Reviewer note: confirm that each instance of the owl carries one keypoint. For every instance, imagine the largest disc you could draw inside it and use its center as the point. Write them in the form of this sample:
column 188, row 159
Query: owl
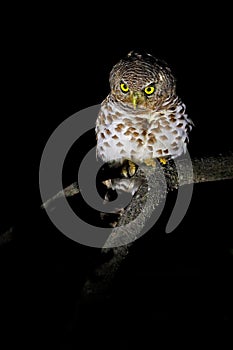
column 142, row 119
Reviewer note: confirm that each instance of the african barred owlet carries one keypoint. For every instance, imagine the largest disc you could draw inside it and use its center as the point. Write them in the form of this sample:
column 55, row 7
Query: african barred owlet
column 142, row 118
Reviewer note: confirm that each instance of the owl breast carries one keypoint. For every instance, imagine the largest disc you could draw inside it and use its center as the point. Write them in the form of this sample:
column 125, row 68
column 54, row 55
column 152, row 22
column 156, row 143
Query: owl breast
column 140, row 136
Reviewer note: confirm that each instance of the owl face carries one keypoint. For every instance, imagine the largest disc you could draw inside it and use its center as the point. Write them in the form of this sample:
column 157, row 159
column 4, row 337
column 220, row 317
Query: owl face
column 141, row 81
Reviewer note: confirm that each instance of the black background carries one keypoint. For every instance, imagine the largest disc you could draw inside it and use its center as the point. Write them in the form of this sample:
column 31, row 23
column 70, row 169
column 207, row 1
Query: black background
column 53, row 66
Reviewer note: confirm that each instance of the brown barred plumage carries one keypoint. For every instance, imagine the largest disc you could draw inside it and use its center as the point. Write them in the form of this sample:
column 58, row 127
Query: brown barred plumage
column 142, row 118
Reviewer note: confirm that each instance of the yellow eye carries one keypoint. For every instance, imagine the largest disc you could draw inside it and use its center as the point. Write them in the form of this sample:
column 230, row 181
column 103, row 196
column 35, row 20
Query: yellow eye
column 149, row 90
column 124, row 87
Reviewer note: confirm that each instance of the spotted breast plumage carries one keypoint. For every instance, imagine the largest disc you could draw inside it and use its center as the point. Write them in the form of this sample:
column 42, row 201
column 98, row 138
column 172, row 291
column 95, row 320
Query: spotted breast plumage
column 142, row 118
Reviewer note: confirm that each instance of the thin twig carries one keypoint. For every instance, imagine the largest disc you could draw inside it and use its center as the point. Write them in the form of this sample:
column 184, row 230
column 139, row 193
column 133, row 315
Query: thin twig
column 69, row 191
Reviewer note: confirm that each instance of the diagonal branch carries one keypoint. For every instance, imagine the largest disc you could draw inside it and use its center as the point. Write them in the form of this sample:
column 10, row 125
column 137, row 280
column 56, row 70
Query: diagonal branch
column 205, row 169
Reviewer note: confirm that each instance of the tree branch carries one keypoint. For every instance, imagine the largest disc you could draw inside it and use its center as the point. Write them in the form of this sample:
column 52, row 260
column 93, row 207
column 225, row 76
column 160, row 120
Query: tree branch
column 130, row 224
column 134, row 217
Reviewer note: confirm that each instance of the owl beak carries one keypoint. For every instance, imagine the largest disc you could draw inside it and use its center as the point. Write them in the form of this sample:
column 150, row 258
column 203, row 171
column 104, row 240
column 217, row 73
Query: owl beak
column 135, row 99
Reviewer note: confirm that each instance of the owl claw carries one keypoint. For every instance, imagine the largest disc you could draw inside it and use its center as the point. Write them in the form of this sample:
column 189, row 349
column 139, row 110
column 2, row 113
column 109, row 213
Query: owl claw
column 128, row 169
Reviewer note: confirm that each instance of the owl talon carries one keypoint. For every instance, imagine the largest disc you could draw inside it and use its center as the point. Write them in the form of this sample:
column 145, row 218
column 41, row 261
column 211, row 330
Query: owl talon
column 128, row 169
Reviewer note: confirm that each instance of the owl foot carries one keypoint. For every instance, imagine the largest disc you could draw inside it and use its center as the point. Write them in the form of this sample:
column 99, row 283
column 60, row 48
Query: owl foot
column 163, row 160
column 128, row 169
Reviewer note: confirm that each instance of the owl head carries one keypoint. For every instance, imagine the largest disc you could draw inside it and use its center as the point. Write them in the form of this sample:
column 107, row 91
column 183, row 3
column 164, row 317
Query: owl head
column 141, row 81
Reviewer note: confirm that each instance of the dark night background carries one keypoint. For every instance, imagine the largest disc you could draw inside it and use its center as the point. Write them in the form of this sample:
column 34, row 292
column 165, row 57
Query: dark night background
column 53, row 67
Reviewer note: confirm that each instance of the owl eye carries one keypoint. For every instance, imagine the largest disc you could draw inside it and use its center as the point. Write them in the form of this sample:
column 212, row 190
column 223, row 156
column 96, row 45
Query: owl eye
column 124, row 87
column 149, row 90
